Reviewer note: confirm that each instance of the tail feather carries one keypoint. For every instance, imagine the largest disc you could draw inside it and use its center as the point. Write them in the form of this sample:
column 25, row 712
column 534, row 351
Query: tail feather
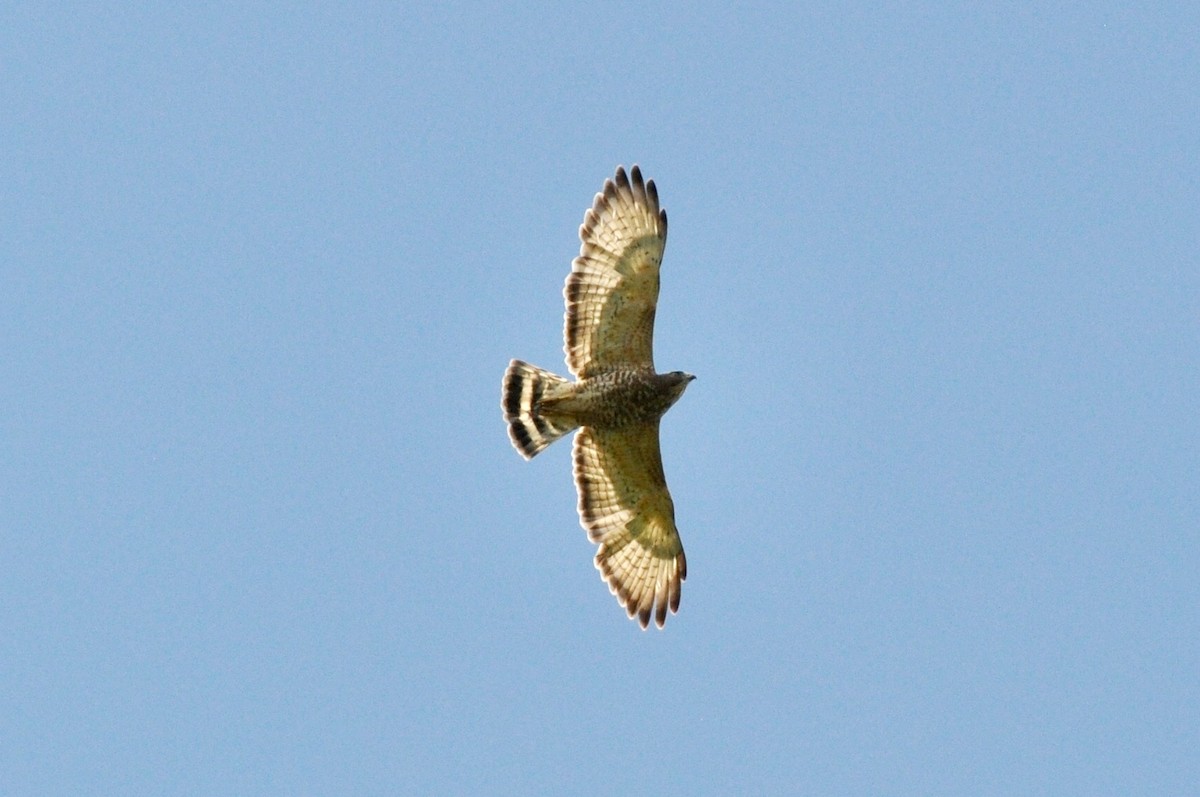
column 526, row 388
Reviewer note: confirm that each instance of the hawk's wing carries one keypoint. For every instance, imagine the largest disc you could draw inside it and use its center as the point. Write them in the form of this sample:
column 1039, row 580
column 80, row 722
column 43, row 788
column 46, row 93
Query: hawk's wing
column 613, row 286
column 625, row 507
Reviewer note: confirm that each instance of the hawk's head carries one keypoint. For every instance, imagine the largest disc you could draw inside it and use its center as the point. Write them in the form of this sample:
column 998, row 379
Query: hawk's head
column 677, row 382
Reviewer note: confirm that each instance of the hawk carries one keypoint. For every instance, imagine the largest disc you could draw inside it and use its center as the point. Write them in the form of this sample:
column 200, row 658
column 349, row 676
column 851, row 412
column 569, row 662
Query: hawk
column 616, row 401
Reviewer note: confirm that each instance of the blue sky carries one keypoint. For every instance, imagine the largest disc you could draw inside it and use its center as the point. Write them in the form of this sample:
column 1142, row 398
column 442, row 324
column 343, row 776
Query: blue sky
column 261, row 270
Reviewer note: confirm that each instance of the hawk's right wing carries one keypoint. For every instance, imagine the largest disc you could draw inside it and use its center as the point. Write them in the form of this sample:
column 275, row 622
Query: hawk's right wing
column 612, row 290
column 625, row 507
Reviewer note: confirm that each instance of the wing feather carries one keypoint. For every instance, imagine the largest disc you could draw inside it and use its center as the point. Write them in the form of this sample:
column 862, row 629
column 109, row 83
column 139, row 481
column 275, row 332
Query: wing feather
column 612, row 291
column 625, row 506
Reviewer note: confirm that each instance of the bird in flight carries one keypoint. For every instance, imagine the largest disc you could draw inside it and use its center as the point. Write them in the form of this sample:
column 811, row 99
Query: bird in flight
column 616, row 400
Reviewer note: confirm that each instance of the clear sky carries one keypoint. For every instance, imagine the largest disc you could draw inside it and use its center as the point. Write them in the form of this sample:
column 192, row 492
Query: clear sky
column 937, row 270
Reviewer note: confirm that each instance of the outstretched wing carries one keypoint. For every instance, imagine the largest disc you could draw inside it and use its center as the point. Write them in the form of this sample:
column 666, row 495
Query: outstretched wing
column 612, row 290
column 625, row 507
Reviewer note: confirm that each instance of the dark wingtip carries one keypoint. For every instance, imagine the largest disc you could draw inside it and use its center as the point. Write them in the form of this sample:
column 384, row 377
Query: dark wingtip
column 621, row 179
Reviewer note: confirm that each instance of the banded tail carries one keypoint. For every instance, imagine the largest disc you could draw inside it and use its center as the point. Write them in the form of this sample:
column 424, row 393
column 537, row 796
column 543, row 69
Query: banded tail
column 526, row 393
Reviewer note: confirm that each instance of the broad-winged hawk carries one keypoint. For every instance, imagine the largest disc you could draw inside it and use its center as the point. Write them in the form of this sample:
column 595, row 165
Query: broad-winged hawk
column 617, row 400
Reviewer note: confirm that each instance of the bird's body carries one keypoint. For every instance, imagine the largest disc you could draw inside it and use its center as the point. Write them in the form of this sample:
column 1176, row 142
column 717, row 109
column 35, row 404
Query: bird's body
column 611, row 400
column 617, row 402
column 620, row 399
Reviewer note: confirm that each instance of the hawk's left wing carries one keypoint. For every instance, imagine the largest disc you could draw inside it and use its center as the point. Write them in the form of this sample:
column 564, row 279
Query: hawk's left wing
column 612, row 290
column 625, row 507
